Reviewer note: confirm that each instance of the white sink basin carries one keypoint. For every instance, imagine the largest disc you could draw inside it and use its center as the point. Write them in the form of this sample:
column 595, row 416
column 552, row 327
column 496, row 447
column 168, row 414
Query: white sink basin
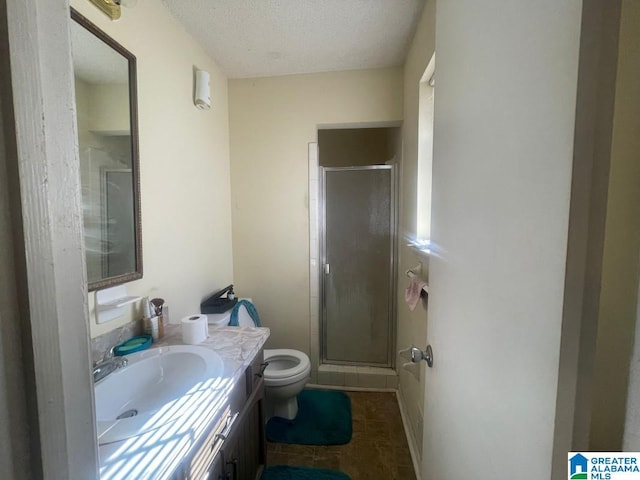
column 151, row 389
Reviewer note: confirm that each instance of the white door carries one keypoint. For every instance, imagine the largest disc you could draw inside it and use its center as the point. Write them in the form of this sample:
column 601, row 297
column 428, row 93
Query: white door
column 503, row 144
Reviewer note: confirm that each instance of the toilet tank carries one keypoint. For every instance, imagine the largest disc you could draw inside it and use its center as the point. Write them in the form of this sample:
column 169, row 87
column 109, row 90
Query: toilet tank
column 222, row 319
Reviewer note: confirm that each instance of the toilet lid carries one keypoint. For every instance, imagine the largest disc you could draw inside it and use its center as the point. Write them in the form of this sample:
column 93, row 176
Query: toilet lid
column 285, row 363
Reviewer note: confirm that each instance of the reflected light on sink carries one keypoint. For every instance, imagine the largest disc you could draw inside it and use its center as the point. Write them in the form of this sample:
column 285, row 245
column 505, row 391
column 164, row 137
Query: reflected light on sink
column 157, row 453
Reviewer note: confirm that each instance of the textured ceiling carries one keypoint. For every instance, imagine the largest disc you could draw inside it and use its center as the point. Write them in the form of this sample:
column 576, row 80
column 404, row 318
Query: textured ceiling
column 256, row 38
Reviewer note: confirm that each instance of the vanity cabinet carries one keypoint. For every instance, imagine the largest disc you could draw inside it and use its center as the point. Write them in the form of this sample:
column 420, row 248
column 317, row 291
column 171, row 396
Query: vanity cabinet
column 242, row 456
column 234, row 447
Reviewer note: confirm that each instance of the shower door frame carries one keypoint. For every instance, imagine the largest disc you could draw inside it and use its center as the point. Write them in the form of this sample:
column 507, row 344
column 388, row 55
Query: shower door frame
column 322, row 213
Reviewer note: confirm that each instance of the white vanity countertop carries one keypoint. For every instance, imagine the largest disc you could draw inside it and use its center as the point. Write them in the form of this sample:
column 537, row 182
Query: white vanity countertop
column 156, row 454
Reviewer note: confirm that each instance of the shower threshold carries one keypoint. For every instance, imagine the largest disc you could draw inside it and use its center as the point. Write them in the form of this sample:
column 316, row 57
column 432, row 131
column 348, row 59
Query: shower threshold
column 356, row 376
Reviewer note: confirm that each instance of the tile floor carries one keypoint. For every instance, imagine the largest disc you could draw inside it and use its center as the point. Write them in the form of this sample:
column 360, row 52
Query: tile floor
column 378, row 447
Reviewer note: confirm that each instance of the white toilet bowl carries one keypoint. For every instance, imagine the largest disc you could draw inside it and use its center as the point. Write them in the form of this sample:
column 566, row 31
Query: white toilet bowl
column 285, row 376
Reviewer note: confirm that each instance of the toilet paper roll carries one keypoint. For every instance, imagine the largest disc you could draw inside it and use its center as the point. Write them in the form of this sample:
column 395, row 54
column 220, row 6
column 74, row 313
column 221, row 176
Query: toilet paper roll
column 194, row 329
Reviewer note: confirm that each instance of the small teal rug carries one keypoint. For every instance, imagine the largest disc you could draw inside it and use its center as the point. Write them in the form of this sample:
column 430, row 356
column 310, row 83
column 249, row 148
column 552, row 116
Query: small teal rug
column 285, row 472
column 324, row 418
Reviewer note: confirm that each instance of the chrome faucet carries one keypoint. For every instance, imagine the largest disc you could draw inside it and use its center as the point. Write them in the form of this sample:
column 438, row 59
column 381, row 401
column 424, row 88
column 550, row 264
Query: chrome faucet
column 109, row 364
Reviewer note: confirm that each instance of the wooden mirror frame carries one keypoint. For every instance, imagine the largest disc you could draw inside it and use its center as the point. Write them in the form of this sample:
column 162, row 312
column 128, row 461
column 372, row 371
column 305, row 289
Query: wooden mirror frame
column 135, row 153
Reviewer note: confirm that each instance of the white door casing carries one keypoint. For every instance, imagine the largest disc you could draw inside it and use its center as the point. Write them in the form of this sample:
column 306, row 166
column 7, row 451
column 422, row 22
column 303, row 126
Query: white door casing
column 48, row 166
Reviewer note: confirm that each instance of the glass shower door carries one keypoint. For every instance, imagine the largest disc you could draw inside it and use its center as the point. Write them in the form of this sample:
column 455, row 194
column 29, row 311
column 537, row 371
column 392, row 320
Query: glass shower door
column 357, row 279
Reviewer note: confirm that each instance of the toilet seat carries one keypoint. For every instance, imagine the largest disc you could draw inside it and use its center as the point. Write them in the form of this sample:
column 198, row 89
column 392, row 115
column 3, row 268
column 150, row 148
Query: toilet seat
column 286, row 366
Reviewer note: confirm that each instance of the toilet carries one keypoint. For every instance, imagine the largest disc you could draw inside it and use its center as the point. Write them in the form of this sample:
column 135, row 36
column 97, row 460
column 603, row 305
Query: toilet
column 284, row 378
column 286, row 375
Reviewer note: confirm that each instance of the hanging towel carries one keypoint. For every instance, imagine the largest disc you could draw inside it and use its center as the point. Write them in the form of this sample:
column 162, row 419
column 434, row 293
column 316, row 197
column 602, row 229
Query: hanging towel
column 251, row 310
column 414, row 292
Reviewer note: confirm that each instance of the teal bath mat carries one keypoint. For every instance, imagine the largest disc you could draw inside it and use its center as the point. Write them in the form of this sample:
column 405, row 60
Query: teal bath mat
column 284, row 472
column 324, row 418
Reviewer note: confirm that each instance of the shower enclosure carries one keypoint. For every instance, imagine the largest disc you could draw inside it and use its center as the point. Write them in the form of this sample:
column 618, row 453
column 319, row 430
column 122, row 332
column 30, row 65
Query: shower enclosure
column 357, row 276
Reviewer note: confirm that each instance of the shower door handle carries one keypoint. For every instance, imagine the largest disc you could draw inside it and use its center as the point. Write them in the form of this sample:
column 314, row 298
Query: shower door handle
column 327, row 269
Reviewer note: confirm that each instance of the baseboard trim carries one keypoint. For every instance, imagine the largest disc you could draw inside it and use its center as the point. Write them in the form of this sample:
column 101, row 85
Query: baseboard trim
column 344, row 388
column 410, row 438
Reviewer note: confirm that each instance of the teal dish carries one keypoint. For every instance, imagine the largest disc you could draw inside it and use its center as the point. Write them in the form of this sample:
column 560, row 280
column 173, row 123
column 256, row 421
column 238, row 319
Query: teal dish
column 134, row 344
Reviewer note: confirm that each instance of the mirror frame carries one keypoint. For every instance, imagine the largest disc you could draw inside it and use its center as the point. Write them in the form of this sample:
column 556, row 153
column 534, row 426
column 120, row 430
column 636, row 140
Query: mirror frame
column 135, row 153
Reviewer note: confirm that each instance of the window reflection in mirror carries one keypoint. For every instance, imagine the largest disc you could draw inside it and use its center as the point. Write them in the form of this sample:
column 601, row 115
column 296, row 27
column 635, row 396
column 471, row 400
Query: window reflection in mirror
column 107, row 140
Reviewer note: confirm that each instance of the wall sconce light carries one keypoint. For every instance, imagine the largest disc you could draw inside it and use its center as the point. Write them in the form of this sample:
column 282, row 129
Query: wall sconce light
column 112, row 7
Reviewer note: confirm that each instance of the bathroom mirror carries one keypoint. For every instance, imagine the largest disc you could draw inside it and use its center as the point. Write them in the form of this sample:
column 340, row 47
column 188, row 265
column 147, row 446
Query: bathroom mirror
column 106, row 106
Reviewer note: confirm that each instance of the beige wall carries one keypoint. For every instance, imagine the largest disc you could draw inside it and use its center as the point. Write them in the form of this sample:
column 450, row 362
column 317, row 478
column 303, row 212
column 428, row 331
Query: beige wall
column 631, row 438
column 272, row 120
column 109, row 108
column 412, row 326
column 184, row 169
column 83, row 115
column 618, row 299
column 585, row 245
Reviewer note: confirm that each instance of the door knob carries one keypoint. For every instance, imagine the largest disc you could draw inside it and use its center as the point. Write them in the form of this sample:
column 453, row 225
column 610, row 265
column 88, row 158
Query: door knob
column 326, row 269
column 417, row 355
